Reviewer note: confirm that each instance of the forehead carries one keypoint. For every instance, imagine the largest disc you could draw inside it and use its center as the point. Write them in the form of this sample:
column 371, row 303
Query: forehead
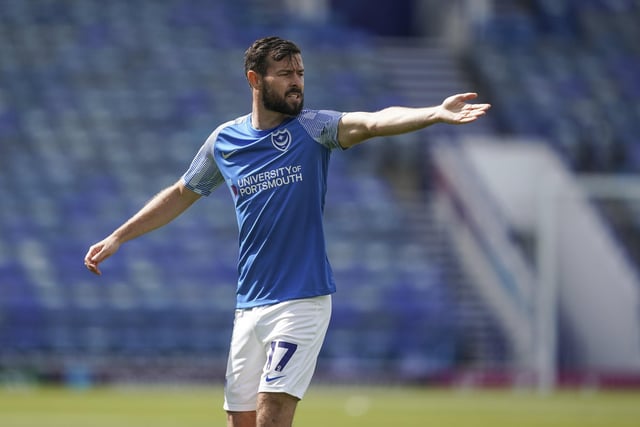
column 292, row 62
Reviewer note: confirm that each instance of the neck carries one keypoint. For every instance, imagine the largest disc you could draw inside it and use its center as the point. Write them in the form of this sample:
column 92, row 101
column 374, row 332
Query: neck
column 263, row 119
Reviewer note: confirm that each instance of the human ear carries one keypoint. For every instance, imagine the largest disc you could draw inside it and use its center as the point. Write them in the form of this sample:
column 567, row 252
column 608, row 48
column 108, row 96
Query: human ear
column 254, row 79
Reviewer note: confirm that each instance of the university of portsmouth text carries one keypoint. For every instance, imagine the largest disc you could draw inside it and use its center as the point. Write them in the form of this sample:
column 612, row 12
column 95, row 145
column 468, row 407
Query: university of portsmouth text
column 270, row 179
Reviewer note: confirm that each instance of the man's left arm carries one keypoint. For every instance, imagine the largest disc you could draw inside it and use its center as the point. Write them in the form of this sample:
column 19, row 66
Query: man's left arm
column 357, row 127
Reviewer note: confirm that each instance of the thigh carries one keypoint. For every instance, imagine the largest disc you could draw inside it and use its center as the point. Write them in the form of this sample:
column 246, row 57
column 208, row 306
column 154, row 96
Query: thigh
column 244, row 365
column 293, row 333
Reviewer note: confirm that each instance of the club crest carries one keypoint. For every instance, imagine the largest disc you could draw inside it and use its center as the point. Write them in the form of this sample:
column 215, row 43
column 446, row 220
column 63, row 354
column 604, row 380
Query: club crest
column 281, row 139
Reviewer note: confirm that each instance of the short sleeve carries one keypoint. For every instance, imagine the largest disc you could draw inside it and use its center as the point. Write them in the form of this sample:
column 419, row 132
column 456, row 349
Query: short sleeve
column 203, row 175
column 322, row 126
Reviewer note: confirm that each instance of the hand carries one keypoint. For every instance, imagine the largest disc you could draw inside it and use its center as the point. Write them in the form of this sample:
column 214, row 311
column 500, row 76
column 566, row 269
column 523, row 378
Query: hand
column 99, row 252
column 455, row 110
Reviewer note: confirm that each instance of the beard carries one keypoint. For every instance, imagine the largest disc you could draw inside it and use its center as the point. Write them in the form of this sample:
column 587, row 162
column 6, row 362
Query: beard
column 280, row 104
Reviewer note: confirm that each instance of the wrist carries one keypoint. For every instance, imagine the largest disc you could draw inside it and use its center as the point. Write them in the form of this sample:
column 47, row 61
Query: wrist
column 435, row 114
column 117, row 237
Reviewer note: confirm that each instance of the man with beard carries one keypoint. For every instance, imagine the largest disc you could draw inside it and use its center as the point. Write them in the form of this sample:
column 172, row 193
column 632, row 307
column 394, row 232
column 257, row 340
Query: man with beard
column 274, row 162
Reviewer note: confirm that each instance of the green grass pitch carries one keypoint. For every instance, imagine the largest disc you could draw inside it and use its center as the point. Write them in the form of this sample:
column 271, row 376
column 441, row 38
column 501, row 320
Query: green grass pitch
column 323, row 406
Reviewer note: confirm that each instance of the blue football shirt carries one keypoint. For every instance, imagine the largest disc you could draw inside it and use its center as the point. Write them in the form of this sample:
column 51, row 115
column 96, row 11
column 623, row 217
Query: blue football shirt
column 278, row 181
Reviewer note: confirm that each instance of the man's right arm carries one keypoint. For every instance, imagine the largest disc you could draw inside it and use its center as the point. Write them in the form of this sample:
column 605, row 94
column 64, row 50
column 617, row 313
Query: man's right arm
column 356, row 127
column 160, row 210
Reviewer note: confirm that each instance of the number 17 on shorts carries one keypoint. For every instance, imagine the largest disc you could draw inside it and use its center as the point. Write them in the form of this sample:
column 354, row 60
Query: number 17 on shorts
column 280, row 354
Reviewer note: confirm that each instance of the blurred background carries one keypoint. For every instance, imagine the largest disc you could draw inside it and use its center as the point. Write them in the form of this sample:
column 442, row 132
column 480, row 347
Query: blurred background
column 504, row 252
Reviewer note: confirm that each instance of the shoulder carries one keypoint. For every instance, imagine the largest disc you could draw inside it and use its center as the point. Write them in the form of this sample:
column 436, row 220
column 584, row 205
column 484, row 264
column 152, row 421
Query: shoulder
column 317, row 122
column 229, row 125
column 323, row 116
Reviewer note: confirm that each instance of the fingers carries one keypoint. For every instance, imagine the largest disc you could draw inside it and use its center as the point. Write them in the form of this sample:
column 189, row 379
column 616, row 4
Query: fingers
column 468, row 96
column 93, row 268
column 477, row 108
column 459, row 101
column 472, row 112
column 93, row 258
column 483, row 107
column 99, row 252
column 460, row 98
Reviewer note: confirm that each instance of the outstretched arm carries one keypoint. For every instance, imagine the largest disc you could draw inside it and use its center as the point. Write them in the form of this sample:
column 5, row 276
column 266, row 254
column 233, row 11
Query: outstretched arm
column 160, row 210
column 357, row 127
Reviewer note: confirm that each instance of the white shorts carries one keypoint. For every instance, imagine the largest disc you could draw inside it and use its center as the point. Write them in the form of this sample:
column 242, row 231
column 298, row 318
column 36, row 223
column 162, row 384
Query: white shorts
column 274, row 349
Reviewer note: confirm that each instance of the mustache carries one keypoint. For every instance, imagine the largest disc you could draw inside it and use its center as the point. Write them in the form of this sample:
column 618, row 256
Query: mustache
column 294, row 90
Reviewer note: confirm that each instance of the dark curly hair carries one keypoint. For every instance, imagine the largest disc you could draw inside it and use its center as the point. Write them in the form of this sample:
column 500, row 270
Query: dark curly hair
column 276, row 48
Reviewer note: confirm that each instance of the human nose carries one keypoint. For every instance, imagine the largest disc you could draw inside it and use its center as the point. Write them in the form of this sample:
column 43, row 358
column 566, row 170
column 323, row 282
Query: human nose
column 297, row 81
